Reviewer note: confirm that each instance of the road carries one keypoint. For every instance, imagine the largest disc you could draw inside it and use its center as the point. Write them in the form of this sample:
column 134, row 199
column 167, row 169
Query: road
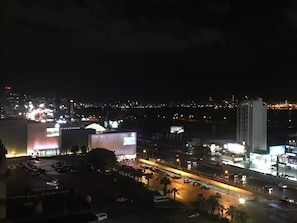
column 256, row 180
column 255, row 204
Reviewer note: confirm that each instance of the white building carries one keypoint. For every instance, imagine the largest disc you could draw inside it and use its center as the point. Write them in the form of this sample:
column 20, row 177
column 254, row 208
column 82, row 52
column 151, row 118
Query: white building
column 252, row 125
column 122, row 143
column 30, row 138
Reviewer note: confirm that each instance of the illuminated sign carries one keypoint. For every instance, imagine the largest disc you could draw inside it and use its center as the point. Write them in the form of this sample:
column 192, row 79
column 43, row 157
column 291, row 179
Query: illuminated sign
column 129, row 140
column 235, row 148
column 52, row 132
column 276, row 150
column 176, row 129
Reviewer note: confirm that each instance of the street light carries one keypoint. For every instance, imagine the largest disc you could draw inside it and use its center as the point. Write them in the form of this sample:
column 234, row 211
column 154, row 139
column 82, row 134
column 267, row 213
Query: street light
column 145, row 152
column 178, row 160
column 241, row 200
column 154, row 150
column 227, row 176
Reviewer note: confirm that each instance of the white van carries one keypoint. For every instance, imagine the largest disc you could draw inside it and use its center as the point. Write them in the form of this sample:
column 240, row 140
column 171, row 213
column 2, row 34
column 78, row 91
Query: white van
column 160, row 198
column 101, row 216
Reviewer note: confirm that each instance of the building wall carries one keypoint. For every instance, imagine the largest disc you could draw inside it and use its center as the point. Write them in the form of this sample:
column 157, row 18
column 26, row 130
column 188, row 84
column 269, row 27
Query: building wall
column 23, row 138
column 252, row 125
column 72, row 137
column 40, row 141
column 123, row 144
column 243, row 125
column 13, row 133
column 259, row 125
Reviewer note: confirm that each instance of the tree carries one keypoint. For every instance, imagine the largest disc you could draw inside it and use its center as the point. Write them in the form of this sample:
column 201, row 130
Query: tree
column 138, row 174
column 102, row 158
column 148, row 176
column 124, row 169
column 130, row 171
column 221, row 210
column 231, row 211
column 165, row 181
column 218, row 197
column 241, row 216
column 174, row 191
column 213, row 203
column 201, row 200
column 84, row 149
column 74, row 149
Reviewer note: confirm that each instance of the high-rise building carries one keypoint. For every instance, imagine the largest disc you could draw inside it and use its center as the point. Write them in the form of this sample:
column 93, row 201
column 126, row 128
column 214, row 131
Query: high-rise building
column 57, row 103
column 12, row 104
column 252, row 125
column 71, row 110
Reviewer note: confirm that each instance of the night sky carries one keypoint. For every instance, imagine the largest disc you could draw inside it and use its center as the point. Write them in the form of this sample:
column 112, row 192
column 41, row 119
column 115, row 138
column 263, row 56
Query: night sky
column 150, row 50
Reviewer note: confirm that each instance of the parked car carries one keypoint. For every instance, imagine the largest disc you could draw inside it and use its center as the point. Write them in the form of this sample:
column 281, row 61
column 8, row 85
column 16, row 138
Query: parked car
column 35, row 172
column 286, row 200
column 101, row 216
column 282, row 185
column 268, row 189
column 204, row 187
column 193, row 215
column 196, row 183
column 176, row 177
column 73, row 170
column 122, row 199
column 187, row 180
column 53, row 183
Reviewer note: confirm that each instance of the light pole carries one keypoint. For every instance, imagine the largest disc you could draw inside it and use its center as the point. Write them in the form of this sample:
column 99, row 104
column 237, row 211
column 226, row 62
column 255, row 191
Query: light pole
column 178, row 160
column 154, row 150
column 145, row 153
column 227, row 176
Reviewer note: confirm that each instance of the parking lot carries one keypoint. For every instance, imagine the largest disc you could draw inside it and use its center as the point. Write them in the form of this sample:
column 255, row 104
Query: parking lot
column 104, row 192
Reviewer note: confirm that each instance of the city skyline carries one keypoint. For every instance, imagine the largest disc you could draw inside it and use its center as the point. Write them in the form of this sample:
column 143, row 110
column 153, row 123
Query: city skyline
column 10, row 96
column 150, row 51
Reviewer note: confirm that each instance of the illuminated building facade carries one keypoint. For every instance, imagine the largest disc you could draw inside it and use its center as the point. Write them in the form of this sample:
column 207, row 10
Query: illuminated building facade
column 122, row 143
column 252, row 125
column 29, row 138
column 43, row 139
column 13, row 133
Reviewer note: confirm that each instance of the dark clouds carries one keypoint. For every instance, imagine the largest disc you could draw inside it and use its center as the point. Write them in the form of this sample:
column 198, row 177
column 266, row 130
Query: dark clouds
column 149, row 49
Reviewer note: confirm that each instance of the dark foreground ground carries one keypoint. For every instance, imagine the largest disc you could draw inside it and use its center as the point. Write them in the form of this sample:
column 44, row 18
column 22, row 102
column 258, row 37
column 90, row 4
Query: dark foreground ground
column 30, row 199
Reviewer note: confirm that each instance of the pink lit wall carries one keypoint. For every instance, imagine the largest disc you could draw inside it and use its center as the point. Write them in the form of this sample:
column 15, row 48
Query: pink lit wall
column 37, row 138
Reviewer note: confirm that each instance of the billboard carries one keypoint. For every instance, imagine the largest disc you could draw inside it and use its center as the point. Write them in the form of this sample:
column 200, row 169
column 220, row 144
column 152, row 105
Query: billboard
column 130, row 140
column 235, row 148
column 277, row 150
column 52, row 132
column 176, row 129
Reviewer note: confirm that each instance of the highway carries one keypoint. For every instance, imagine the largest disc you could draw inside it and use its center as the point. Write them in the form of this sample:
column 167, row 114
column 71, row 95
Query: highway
column 256, row 205
column 215, row 185
column 256, row 181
